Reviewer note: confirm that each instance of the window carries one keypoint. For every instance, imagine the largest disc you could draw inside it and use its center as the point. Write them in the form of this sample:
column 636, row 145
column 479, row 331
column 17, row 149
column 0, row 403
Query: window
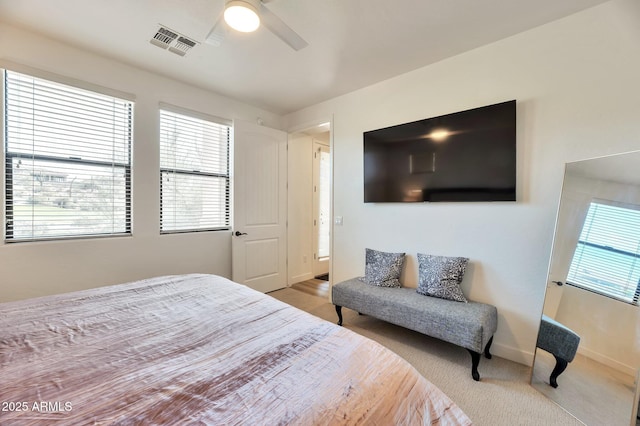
column 607, row 255
column 194, row 173
column 68, row 161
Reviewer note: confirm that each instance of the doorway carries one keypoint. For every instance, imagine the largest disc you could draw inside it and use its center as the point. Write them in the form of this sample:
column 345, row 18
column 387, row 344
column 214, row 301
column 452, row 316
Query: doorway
column 309, row 204
column 321, row 209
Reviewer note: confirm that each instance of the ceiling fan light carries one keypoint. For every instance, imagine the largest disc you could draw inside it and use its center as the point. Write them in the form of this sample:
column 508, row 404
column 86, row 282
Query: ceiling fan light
column 242, row 15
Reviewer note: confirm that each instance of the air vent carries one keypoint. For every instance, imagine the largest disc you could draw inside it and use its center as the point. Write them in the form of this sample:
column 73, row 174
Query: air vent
column 172, row 41
column 182, row 45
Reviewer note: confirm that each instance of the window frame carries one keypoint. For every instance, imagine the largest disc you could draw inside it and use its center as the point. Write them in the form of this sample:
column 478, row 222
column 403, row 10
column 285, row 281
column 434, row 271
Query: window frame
column 10, row 156
column 189, row 114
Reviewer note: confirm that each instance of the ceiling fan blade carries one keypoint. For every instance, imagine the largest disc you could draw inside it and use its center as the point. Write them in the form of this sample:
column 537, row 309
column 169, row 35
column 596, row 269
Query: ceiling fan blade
column 218, row 32
column 280, row 29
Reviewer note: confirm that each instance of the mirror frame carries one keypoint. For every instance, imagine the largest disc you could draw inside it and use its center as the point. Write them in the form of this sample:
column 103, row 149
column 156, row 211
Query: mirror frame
column 634, row 420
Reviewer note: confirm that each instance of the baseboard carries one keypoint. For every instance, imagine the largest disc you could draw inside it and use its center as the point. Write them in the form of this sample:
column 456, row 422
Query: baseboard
column 512, row 354
column 609, row 362
column 299, row 278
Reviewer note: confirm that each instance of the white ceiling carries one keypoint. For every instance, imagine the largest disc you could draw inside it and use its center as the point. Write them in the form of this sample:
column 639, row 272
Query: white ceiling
column 352, row 43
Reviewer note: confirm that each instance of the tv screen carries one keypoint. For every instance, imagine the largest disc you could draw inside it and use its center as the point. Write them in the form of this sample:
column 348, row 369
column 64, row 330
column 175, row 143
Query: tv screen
column 464, row 156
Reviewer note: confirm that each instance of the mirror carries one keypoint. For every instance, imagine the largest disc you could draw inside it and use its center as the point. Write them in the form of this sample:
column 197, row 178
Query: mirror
column 590, row 323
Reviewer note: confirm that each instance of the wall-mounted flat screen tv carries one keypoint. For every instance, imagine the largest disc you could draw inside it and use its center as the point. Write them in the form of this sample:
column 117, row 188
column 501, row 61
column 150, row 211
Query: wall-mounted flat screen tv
column 464, row 156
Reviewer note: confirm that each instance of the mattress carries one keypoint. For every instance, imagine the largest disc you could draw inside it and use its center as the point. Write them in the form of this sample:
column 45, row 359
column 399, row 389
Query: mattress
column 199, row 349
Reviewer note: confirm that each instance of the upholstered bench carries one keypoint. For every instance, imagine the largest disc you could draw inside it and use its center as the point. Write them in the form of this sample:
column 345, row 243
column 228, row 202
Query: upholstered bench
column 561, row 342
column 470, row 325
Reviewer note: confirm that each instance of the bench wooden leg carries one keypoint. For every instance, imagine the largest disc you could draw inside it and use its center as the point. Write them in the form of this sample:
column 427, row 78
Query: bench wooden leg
column 339, row 312
column 561, row 365
column 475, row 360
column 487, row 354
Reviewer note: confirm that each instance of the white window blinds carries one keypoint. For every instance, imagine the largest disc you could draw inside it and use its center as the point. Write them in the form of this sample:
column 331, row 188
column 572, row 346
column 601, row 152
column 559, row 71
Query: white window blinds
column 68, row 160
column 606, row 259
column 194, row 173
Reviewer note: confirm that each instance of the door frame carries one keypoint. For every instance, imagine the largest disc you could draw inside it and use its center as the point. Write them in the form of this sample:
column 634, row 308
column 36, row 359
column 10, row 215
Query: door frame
column 301, row 129
column 319, row 265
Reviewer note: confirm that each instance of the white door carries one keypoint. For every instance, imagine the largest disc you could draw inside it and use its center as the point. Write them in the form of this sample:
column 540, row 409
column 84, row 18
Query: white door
column 321, row 208
column 259, row 207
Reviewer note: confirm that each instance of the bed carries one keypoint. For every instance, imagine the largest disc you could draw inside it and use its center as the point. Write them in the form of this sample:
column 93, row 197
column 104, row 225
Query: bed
column 199, row 349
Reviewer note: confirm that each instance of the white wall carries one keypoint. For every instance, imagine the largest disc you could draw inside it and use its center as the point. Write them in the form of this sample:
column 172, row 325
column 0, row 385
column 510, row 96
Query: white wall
column 41, row 268
column 578, row 95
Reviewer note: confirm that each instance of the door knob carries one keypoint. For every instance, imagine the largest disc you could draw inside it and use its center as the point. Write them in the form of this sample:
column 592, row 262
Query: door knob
column 238, row 233
column 559, row 283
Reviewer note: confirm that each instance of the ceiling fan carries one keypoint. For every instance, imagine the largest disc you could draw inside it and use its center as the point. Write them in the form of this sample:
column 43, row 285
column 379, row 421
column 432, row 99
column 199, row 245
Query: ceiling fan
column 247, row 16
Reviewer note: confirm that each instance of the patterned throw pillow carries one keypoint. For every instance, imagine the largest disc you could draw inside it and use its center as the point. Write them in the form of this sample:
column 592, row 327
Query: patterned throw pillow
column 440, row 276
column 383, row 269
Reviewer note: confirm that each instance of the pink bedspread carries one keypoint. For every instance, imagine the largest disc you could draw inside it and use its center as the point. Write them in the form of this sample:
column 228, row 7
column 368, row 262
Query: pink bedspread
column 199, row 349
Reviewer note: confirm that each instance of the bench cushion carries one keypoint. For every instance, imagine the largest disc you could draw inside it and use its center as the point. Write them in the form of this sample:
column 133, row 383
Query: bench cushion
column 469, row 325
column 557, row 339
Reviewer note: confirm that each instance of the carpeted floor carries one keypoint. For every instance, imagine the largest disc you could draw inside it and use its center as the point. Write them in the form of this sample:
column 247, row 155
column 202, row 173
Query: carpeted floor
column 588, row 389
column 502, row 397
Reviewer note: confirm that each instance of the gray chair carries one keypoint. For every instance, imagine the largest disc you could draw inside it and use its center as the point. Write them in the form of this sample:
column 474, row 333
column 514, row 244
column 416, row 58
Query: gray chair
column 561, row 342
